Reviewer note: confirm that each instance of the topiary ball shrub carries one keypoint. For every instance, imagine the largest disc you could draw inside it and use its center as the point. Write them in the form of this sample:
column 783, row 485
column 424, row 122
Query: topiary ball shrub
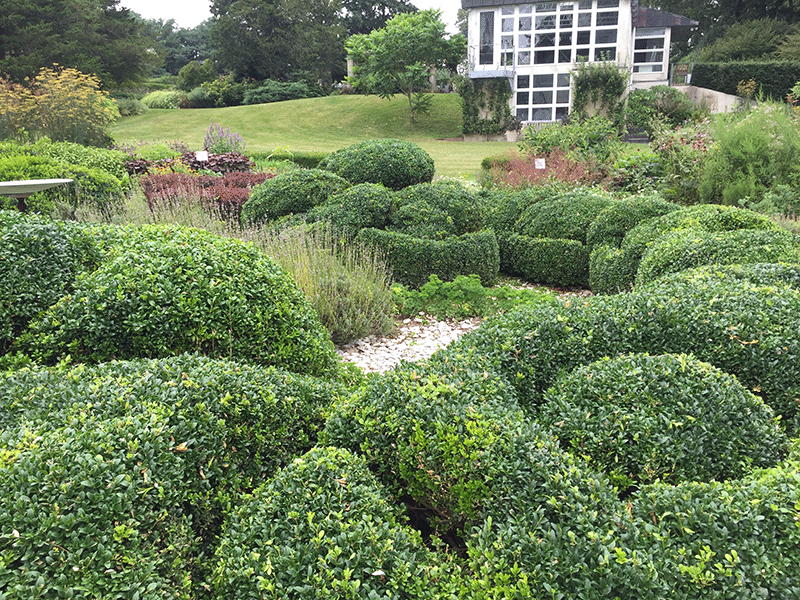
column 614, row 221
column 688, row 248
column 567, row 216
column 436, row 211
column 393, row 163
column 325, row 527
column 39, row 262
column 670, row 418
column 168, row 290
column 294, row 192
column 356, row 208
column 544, row 260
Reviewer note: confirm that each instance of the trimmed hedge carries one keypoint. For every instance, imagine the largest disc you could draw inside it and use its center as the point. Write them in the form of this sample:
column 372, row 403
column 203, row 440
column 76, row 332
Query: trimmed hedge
column 775, row 78
column 323, row 528
column 567, row 216
column 356, row 208
column 393, row 163
column 505, row 205
column 168, row 290
column 39, row 262
column 436, row 211
column 688, row 248
column 670, row 418
column 290, row 193
column 116, row 477
column 306, row 160
column 413, row 260
column 110, row 161
column 611, row 270
column 544, row 260
column 614, row 221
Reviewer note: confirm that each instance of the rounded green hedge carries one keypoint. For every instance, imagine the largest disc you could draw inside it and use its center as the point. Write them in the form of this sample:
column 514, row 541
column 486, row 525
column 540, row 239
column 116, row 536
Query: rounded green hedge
column 688, row 248
column 356, row 208
column 544, row 260
column 614, row 221
column 672, row 418
column 567, row 216
column 436, row 211
column 393, row 163
column 323, row 528
column 295, row 192
column 39, row 262
column 168, row 290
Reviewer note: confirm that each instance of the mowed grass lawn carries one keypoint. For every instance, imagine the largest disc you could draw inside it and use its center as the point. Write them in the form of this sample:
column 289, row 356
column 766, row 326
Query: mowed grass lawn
column 323, row 125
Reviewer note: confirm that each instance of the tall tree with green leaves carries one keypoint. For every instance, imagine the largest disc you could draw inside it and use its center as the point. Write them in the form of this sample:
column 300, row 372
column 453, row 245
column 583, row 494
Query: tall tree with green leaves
column 364, row 16
column 93, row 36
column 401, row 57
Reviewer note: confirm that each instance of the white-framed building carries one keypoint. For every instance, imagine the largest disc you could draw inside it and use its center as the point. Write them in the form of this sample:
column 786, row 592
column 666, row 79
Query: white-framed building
column 536, row 44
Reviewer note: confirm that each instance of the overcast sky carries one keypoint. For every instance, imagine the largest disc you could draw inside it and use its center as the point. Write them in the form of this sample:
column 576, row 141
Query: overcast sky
column 190, row 13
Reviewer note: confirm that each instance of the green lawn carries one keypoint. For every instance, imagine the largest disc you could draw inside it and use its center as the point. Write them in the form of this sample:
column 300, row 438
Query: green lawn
column 323, row 124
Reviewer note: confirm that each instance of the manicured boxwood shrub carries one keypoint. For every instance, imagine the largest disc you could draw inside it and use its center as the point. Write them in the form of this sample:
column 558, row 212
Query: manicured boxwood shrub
column 614, row 221
column 168, row 290
column 688, row 248
column 39, row 262
column 544, row 260
column 131, row 451
column 567, row 216
column 165, row 99
column 412, row 260
column 110, row 161
column 307, row 160
column 611, row 270
column 356, row 208
column 323, row 527
column 291, row 193
column 737, row 539
column 436, row 211
column 743, row 328
column 671, row 418
column 503, row 206
column 394, row 163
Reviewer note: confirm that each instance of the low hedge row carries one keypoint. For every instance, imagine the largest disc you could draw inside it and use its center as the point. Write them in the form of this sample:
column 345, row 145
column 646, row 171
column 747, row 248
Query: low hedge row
column 544, row 260
column 413, row 260
column 566, row 216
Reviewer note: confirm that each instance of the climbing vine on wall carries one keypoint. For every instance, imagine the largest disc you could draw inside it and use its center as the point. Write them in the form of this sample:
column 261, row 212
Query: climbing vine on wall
column 602, row 84
column 482, row 96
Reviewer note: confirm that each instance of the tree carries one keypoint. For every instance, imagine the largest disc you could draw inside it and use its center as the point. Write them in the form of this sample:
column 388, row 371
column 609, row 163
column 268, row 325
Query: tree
column 365, row 16
column 176, row 46
column 93, row 36
column 401, row 57
column 746, row 40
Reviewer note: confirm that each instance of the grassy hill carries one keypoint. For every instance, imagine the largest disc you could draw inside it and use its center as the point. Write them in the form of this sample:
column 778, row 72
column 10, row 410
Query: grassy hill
column 323, row 124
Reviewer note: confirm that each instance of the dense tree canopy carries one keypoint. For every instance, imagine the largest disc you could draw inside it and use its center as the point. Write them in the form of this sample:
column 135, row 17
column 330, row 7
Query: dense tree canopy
column 93, row 36
column 178, row 47
column 363, row 16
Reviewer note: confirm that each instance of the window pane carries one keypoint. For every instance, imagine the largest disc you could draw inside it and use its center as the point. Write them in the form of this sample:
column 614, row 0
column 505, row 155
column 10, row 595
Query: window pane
column 649, row 44
column 544, row 57
column 524, row 40
column 522, row 114
column 544, row 40
column 562, row 97
column 581, row 53
column 566, row 7
column 583, row 38
column 561, row 112
column 546, row 7
column 524, row 23
column 486, row 51
column 523, row 58
column 565, row 39
column 565, row 56
column 605, row 53
column 507, row 25
column 585, row 4
column 562, row 80
column 525, row 9
column 523, row 81
column 542, row 97
column 607, row 3
column 584, row 19
column 543, row 81
column 545, row 22
column 507, row 59
column 507, row 10
column 565, row 21
column 506, row 41
column 653, row 68
column 605, row 19
column 543, row 114
column 605, row 36
column 648, row 57
column 523, row 98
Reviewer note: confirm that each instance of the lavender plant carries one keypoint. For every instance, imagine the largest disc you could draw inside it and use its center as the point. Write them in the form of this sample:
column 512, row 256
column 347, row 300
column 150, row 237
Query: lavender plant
column 222, row 141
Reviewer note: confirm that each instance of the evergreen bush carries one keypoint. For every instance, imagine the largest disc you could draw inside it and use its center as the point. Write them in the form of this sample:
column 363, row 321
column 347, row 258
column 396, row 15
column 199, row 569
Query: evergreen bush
column 393, row 163
column 436, row 211
column 164, row 99
column 356, row 208
column 567, row 216
column 544, row 260
column 616, row 219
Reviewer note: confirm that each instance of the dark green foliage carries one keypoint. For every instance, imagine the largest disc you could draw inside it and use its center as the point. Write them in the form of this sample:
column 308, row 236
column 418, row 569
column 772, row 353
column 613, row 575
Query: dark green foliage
column 673, row 419
column 436, row 211
column 353, row 209
column 165, row 291
column 39, row 262
column 544, row 260
column 725, row 540
column 740, row 327
column 688, row 248
column 759, row 273
column 394, row 163
column 278, row 91
column 484, row 106
column 110, row 161
column 505, row 205
column 291, row 193
column 106, row 468
column 616, row 219
column 775, row 79
column 307, row 160
column 566, row 216
column 412, row 260
column 323, row 527
column 670, row 104
column 611, row 270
